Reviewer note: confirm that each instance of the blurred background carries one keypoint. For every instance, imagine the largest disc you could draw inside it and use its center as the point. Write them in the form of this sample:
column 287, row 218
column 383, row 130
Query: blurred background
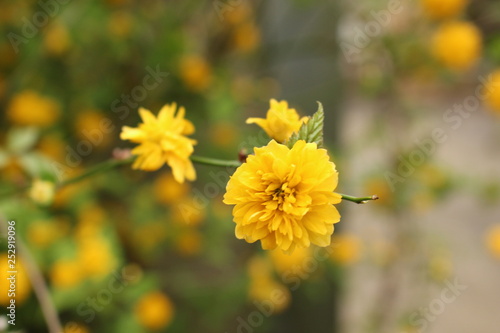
column 411, row 92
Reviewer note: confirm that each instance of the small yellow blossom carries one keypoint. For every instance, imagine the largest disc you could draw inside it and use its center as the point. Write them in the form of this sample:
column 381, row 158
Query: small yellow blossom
column 163, row 140
column 457, row 45
column 492, row 90
column 493, row 240
column 95, row 257
column 154, row 310
column 42, row 192
column 346, row 249
column 263, row 288
column 23, row 286
column 195, row 72
column 93, row 126
column 284, row 197
column 73, row 327
column 30, row 108
column 66, row 273
column 56, row 39
column 246, row 37
column 43, row 233
column 189, row 242
column 293, row 262
column 120, row 24
column 280, row 122
column 188, row 211
column 167, row 190
column 441, row 9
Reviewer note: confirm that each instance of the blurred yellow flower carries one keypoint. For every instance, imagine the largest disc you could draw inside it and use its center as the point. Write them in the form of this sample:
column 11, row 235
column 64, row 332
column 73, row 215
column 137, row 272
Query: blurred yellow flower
column 189, row 242
column 95, row 257
column 457, row 45
column 493, row 240
column 23, row 286
column 224, row 134
column 492, row 88
column 163, row 140
column 238, row 14
column 381, row 188
column 293, row 262
column 89, row 125
column 73, row 327
column 154, row 310
column 30, row 108
column 246, row 37
column 441, row 9
column 167, row 190
column 263, row 288
column 120, row 23
column 346, row 249
column 56, row 39
column 284, row 197
column 42, row 192
column 66, row 273
column 188, row 211
column 53, row 146
column 280, row 122
column 195, row 72
column 43, row 233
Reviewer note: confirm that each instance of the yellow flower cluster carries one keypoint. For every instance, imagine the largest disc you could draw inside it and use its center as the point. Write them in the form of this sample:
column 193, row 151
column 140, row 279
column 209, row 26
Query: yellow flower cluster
column 284, row 197
column 163, row 139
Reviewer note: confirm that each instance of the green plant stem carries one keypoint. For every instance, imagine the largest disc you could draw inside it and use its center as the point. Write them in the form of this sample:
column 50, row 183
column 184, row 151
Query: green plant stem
column 102, row 167
column 358, row 200
column 215, row 162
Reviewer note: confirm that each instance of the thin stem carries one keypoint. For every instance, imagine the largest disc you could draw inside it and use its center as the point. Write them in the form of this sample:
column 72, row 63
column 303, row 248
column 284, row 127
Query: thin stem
column 358, row 200
column 104, row 166
column 39, row 286
column 215, row 162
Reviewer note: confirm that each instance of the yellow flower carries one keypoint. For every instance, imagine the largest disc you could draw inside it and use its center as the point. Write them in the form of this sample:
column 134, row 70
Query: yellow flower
column 294, row 262
column 195, row 72
column 90, row 125
column 346, row 249
column 23, row 287
column 66, row 273
column 43, row 233
column 120, row 24
column 95, row 257
column 30, row 108
column 280, row 121
column 284, row 197
column 168, row 191
column 56, row 39
column 163, row 140
column 189, row 242
column 457, row 45
column 73, row 327
column 440, row 9
column 154, row 310
column 42, row 192
column 263, row 288
column 492, row 89
column 246, row 37
column 493, row 240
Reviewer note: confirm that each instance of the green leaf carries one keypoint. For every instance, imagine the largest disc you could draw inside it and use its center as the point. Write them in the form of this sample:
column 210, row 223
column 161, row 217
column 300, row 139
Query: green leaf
column 312, row 131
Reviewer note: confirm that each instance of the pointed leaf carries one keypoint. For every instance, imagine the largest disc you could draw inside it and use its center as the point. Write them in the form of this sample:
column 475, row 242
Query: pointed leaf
column 312, row 131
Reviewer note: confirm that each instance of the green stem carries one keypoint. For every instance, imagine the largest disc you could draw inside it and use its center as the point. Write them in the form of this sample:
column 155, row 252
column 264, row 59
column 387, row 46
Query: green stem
column 104, row 166
column 358, row 200
column 215, row 162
